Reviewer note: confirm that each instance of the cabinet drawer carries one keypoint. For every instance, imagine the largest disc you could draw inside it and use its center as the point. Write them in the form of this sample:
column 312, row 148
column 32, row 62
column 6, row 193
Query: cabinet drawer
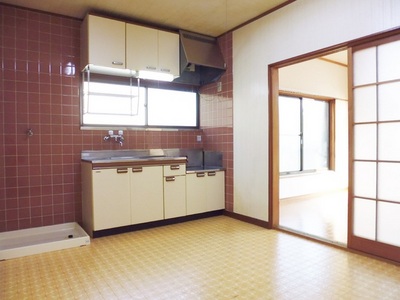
column 175, row 170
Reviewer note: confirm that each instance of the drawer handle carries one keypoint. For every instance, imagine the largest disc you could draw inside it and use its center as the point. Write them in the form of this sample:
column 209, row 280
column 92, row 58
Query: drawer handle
column 174, row 167
column 170, row 178
column 202, row 174
column 137, row 170
column 117, row 63
column 122, row 171
column 211, row 173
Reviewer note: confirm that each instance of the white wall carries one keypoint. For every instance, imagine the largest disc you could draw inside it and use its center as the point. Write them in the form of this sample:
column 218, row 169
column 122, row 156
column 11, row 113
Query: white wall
column 301, row 27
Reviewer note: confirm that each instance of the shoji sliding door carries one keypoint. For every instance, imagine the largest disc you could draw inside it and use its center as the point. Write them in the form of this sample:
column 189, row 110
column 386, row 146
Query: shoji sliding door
column 375, row 148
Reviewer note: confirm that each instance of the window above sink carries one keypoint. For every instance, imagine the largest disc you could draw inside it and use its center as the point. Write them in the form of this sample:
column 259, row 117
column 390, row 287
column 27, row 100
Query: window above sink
column 129, row 102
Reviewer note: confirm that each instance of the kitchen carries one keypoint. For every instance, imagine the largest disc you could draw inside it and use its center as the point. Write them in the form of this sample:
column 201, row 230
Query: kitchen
column 41, row 178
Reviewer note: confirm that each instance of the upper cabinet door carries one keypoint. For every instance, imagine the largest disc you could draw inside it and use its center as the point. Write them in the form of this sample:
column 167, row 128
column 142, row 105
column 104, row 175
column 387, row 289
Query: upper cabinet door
column 168, row 52
column 141, row 48
column 103, row 42
column 151, row 49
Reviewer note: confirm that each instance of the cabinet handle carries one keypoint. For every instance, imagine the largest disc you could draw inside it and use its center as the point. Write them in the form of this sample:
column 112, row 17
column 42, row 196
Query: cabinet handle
column 165, row 70
column 122, row 171
column 117, row 63
column 213, row 173
column 174, row 167
column 170, row 178
column 137, row 170
column 151, row 68
column 202, row 174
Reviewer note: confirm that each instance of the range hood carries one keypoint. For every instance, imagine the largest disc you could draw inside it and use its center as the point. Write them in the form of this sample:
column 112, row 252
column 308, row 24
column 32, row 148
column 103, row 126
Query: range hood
column 201, row 60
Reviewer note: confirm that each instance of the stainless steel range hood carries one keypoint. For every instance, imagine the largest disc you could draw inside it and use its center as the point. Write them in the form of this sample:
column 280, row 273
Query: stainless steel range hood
column 201, row 60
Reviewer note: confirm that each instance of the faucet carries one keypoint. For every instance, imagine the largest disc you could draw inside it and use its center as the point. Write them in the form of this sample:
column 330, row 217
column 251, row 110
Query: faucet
column 120, row 139
column 117, row 137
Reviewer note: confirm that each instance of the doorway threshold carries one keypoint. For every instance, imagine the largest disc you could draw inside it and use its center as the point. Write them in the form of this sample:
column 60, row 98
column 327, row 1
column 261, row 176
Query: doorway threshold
column 311, row 237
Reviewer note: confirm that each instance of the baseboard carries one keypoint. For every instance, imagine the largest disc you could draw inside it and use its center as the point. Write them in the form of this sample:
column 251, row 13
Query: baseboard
column 247, row 219
column 129, row 228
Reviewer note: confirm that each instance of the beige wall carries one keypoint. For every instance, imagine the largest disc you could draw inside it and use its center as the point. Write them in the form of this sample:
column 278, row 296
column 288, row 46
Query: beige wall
column 301, row 27
column 316, row 77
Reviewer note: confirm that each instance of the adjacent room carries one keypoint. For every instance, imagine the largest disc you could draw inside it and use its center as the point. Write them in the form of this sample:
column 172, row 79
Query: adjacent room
column 313, row 147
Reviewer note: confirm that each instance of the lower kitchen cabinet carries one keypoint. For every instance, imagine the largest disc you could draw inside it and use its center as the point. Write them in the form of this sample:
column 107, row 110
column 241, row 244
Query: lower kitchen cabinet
column 195, row 193
column 121, row 196
column 205, row 191
column 146, row 194
column 113, row 200
column 215, row 190
column 174, row 191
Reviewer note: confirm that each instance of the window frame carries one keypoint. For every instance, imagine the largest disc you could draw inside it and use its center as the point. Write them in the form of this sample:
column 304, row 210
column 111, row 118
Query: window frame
column 109, row 79
column 331, row 130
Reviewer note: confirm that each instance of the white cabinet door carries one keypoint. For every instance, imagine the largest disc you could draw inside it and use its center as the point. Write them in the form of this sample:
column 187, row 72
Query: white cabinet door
column 141, row 48
column 151, row 49
column 174, row 196
column 215, row 191
column 147, row 194
column 103, row 42
column 196, row 193
column 111, row 198
column 168, row 52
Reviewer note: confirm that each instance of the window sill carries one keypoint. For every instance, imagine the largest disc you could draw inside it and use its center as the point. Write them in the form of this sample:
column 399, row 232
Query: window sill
column 306, row 173
column 135, row 128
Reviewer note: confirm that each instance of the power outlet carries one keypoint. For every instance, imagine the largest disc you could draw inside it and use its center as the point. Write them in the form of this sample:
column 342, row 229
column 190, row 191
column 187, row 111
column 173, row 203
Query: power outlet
column 219, row 86
column 198, row 138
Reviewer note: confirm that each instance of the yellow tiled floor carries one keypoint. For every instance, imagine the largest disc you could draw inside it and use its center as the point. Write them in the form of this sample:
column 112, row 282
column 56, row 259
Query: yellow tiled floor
column 214, row 258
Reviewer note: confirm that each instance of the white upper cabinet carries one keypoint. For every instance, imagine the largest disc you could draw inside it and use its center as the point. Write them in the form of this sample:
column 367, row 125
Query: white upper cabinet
column 141, row 48
column 168, row 52
column 152, row 50
column 103, row 42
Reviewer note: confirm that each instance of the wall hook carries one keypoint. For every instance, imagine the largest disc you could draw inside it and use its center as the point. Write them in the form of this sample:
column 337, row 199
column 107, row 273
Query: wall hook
column 29, row 132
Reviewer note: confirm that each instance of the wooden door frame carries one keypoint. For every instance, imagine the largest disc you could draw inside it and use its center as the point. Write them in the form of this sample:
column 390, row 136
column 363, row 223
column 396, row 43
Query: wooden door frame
column 273, row 122
column 273, row 155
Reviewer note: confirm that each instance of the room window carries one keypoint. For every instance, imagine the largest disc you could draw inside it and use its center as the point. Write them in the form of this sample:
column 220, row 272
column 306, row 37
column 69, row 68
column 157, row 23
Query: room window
column 304, row 134
column 123, row 102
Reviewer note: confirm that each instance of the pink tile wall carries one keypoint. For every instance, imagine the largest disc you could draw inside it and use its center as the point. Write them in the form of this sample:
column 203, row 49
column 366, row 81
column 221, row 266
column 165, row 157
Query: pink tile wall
column 217, row 117
column 40, row 181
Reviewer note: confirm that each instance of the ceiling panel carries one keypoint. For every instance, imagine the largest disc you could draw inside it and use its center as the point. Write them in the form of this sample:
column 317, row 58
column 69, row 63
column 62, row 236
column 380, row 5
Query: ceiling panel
column 210, row 17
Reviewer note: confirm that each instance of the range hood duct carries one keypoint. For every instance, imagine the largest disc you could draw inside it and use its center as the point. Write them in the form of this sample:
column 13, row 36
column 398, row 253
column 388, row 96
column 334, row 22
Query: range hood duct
column 201, row 60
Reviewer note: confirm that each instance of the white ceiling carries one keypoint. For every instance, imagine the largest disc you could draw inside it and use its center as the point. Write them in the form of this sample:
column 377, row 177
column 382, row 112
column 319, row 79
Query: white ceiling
column 209, row 17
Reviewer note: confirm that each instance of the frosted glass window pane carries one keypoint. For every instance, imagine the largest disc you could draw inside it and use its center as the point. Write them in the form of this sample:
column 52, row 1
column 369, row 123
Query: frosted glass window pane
column 289, row 134
column 315, row 134
column 389, row 61
column 389, row 223
column 365, row 141
column 365, row 179
column 389, row 181
column 364, row 66
column 365, row 104
column 289, row 115
column 171, row 108
column 364, row 218
column 389, row 141
column 289, row 153
column 389, row 101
